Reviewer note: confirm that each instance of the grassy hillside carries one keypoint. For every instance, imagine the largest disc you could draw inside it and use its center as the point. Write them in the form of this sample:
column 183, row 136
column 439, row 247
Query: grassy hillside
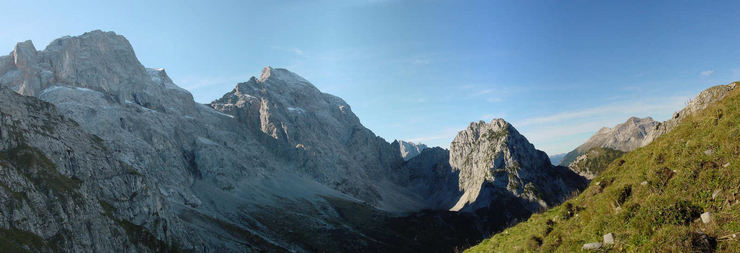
column 651, row 199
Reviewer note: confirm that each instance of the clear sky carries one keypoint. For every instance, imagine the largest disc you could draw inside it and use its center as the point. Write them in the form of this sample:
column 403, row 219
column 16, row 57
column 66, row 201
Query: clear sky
column 423, row 70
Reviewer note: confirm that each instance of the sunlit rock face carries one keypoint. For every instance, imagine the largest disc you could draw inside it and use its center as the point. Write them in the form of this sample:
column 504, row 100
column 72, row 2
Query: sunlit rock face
column 496, row 162
column 332, row 145
column 632, row 134
column 409, row 149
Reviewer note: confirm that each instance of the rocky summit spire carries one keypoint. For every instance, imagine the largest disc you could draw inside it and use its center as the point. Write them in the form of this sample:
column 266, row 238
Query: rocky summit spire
column 265, row 74
column 495, row 154
column 24, row 53
column 497, row 163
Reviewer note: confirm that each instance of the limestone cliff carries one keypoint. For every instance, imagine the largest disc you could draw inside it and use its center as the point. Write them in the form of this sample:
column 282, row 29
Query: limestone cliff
column 496, row 162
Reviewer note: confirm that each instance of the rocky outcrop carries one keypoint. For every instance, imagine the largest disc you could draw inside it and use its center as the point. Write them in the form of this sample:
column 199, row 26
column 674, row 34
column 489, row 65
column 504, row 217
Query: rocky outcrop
column 636, row 132
column 496, row 162
column 698, row 103
column 409, row 149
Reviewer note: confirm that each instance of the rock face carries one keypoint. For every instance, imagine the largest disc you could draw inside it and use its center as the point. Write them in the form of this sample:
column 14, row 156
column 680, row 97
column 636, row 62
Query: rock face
column 496, row 162
column 61, row 187
column 409, row 149
column 331, row 144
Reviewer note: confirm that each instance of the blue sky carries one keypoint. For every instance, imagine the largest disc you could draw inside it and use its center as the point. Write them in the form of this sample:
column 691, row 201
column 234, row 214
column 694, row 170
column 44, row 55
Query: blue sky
column 423, row 70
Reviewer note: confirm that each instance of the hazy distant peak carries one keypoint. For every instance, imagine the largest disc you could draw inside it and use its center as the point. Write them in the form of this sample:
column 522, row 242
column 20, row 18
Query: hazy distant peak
column 409, row 149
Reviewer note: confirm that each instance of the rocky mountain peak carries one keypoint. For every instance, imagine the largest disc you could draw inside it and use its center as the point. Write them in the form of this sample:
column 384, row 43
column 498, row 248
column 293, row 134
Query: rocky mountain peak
column 23, row 53
column 633, row 133
column 95, row 61
column 409, row 149
column 494, row 154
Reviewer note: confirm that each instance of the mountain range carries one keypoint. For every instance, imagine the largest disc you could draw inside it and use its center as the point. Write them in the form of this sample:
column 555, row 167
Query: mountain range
column 99, row 153
column 275, row 164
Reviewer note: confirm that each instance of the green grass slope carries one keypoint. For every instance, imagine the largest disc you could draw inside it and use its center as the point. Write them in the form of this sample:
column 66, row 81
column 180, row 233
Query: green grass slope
column 651, row 198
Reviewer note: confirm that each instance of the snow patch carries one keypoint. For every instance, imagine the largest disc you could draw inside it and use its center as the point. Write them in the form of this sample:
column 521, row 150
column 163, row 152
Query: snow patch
column 50, row 89
column 206, row 141
column 209, row 109
column 140, row 106
column 296, row 109
column 57, row 87
column 84, row 89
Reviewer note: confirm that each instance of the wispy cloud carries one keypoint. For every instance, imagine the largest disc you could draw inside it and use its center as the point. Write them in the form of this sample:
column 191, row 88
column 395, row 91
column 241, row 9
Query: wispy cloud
column 421, row 61
column 707, row 72
column 493, row 99
column 481, row 92
column 293, row 50
column 561, row 132
column 630, row 107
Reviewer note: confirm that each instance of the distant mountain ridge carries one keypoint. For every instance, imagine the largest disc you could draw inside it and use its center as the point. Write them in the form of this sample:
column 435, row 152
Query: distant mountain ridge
column 638, row 132
column 556, row 158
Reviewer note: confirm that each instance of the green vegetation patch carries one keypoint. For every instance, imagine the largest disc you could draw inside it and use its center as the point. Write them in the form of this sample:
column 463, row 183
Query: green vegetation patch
column 41, row 171
column 14, row 240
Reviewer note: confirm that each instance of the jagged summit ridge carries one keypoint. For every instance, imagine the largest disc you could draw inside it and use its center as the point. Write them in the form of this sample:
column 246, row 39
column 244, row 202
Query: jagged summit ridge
column 484, row 150
column 495, row 161
column 335, row 148
column 97, row 60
